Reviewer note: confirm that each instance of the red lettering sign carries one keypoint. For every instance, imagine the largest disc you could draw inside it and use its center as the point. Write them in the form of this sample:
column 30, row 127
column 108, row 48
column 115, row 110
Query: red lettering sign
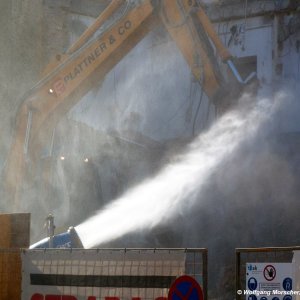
column 37, row 297
column 68, row 297
column 56, row 297
column 53, row 297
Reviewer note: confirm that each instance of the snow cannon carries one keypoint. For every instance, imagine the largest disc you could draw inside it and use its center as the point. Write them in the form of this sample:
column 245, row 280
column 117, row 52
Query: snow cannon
column 69, row 239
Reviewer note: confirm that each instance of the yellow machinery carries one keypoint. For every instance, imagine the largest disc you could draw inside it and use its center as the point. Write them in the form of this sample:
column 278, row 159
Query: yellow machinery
column 74, row 73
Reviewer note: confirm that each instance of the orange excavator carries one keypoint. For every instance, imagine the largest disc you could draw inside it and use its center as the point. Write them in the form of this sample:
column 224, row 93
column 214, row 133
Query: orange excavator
column 113, row 34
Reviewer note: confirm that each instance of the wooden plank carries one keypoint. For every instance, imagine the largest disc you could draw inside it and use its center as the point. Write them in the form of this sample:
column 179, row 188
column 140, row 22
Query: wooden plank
column 5, row 231
column 15, row 230
column 10, row 274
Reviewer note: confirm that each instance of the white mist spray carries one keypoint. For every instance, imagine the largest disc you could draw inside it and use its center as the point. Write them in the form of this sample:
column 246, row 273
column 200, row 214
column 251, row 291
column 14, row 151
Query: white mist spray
column 162, row 197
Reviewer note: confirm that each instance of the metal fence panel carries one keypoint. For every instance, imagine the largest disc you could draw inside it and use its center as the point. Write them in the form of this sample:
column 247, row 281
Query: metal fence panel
column 145, row 274
column 259, row 255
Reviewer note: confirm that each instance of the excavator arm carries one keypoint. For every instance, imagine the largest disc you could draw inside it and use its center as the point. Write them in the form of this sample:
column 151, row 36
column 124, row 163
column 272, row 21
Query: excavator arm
column 86, row 63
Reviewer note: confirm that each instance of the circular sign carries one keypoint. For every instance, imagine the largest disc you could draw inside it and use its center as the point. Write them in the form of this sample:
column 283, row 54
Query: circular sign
column 252, row 284
column 269, row 272
column 287, row 284
column 287, row 297
column 185, row 288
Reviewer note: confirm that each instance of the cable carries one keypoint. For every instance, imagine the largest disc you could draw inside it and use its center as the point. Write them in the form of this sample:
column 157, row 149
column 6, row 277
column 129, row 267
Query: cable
column 208, row 111
column 298, row 75
column 127, row 5
column 245, row 25
column 198, row 109
column 225, row 32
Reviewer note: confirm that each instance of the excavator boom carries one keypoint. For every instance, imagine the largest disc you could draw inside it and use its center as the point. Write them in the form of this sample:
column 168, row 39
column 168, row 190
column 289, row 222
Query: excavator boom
column 88, row 60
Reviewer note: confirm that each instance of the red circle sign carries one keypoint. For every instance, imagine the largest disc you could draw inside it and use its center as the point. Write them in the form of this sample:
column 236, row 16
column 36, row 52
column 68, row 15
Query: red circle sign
column 269, row 272
column 185, row 288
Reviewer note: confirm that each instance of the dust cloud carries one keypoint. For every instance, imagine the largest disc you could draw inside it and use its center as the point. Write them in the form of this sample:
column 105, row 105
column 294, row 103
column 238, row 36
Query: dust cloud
column 173, row 190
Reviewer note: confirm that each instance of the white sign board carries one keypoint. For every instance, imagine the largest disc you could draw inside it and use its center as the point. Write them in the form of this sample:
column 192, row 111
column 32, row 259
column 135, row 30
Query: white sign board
column 269, row 281
column 99, row 275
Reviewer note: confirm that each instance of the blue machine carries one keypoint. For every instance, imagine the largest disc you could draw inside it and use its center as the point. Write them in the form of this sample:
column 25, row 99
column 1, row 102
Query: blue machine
column 69, row 239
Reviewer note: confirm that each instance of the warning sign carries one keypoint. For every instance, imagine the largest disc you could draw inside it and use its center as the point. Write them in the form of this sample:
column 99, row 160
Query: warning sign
column 269, row 272
column 269, row 281
column 185, row 288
